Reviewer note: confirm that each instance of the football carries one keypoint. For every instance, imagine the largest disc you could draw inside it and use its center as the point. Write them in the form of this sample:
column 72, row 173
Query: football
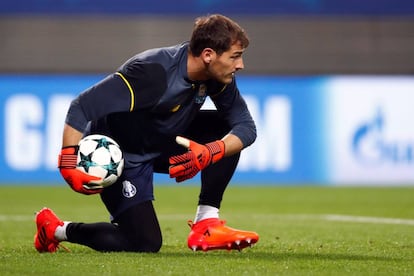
column 100, row 156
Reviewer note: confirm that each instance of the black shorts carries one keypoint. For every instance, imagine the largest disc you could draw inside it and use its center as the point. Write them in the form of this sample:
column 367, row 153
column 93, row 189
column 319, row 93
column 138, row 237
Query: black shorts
column 135, row 185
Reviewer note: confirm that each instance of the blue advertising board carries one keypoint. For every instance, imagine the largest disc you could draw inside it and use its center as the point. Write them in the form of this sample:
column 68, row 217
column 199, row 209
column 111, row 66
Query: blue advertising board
column 286, row 112
column 31, row 121
column 311, row 130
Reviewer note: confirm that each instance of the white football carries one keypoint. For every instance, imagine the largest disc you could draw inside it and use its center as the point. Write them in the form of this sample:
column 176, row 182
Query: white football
column 100, row 156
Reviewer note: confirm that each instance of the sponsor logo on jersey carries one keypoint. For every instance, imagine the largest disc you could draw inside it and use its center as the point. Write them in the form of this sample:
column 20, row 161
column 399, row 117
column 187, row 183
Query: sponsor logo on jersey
column 202, row 94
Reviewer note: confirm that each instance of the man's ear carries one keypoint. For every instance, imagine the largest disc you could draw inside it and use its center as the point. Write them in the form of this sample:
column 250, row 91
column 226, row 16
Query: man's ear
column 208, row 55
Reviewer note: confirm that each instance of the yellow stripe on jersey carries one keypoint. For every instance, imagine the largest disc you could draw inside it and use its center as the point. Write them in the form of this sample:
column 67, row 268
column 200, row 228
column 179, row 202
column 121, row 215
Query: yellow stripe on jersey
column 175, row 108
column 131, row 91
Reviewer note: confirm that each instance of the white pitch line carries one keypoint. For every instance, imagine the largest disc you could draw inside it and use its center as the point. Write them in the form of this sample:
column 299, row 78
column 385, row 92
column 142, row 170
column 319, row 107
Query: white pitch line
column 16, row 218
column 298, row 217
column 362, row 219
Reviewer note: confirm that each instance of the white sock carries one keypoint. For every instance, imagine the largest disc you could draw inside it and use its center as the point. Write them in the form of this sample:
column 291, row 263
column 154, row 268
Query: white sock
column 60, row 232
column 205, row 212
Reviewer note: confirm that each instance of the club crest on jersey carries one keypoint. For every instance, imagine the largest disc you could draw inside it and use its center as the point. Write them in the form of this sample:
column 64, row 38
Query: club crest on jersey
column 202, row 94
column 128, row 190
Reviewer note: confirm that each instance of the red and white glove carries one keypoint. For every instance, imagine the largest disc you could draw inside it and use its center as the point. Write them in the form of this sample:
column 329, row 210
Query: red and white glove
column 77, row 180
column 187, row 165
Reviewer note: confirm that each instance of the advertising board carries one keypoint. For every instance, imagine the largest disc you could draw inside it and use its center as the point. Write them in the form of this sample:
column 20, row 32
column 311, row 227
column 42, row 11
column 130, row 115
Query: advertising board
column 330, row 130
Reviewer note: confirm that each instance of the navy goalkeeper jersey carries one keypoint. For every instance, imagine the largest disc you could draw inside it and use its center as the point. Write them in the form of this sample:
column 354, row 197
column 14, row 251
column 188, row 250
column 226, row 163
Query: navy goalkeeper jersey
column 150, row 98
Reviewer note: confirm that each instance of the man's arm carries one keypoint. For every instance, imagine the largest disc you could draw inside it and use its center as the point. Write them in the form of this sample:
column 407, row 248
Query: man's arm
column 231, row 105
column 71, row 136
column 232, row 144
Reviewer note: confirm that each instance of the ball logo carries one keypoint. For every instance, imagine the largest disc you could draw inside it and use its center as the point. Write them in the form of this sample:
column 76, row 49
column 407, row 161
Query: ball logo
column 128, row 190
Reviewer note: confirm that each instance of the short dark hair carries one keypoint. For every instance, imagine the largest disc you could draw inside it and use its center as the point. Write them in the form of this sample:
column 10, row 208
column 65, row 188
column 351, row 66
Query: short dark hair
column 217, row 32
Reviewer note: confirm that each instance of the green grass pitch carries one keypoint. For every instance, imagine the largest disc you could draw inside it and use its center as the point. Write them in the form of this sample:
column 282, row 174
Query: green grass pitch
column 304, row 230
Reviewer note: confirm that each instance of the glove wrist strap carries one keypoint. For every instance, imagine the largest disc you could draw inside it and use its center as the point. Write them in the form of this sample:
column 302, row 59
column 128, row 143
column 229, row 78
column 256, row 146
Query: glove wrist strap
column 68, row 157
column 216, row 149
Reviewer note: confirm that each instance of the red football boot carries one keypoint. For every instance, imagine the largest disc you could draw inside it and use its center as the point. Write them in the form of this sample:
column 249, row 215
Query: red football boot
column 44, row 239
column 212, row 233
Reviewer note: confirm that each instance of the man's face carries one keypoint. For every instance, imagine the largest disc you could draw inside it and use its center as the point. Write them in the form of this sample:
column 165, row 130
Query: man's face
column 223, row 67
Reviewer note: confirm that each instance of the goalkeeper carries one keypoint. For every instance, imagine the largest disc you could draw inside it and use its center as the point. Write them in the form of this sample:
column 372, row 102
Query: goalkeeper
column 152, row 107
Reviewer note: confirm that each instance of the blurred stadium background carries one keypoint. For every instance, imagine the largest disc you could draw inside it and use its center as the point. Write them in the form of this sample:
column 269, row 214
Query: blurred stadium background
column 330, row 83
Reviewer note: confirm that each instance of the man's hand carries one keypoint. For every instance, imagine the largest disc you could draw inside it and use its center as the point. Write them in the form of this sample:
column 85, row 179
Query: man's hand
column 187, row 165
column 77, row 180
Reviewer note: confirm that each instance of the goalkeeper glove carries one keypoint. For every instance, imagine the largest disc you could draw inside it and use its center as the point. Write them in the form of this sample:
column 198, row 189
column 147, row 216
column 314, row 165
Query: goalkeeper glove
column 77, row 180
column 187, row 165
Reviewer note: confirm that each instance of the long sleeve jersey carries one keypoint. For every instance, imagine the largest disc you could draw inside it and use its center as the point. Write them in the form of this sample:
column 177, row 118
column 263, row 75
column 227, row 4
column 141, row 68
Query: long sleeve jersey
column 150, row 98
